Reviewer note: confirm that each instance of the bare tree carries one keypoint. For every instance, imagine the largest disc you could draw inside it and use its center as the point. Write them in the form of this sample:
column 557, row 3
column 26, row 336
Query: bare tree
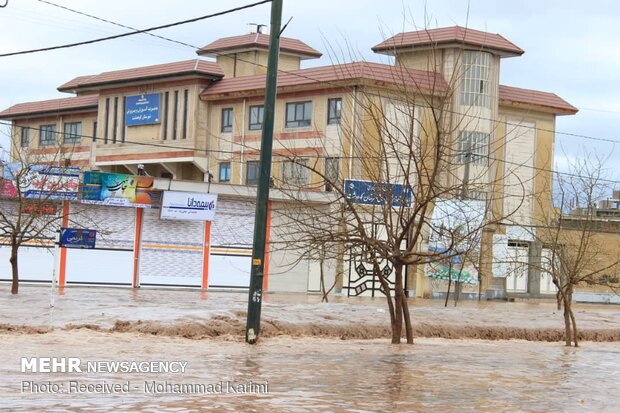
column 403, row 145
column 33, row 188
column 577, row 252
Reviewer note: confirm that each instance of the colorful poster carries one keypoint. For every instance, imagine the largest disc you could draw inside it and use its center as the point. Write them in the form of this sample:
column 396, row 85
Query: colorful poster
column 188, row 206
column 40, row 182
column 104, row 188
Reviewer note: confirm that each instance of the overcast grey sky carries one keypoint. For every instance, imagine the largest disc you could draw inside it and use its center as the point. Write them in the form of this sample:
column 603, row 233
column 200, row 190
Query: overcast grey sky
column 570, row 45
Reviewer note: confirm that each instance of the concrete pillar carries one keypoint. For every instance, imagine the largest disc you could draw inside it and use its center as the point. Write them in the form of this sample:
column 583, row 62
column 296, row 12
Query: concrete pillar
column 533, row 273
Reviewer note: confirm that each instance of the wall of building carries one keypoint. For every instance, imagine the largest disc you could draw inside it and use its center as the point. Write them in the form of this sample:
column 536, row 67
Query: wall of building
column 253, row 63
column 78, row 152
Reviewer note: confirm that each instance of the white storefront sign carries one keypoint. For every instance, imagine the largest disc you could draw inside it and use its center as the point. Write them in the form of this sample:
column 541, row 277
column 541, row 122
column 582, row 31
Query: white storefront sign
column 189, row 206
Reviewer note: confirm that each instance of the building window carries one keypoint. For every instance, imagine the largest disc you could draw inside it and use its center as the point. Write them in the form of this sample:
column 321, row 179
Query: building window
column 476, row 144
column 331, row 173
column 175, row 117
column 224, row 175
column 295, row 172
column 115, row 124
column 227, row 120
column 107, row 120
column 185, row 112
column 72, row 132
column 298, row 114
column 94, row 131
column 252, row 173
column 475, row 82
column 257, row 114
column 47, row 135
column 25, row 137
column 334, row 111
column 123, row 127
column 165, row 126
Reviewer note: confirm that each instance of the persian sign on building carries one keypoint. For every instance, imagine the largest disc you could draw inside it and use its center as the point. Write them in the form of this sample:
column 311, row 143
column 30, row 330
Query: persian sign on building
column 77, row 238
column 117, row 189
column 40, row 182
column 189, row 206
column 142, row 109
column 377, row 193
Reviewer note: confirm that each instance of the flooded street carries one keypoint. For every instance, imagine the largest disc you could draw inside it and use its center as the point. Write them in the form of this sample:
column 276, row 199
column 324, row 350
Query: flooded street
column 309, row 374
column 311, row 357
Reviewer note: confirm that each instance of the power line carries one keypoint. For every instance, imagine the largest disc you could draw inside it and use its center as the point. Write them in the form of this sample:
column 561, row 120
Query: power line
column 295, row 73
column 165, row 26
column 213, row 151
column 115, row 23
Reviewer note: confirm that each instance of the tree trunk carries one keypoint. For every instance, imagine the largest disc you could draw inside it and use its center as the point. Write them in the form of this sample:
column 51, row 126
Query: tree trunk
column 405, row 306
column 323, row 291
column 402, row 309
column 14, row 269
column 391, row 309
column 449, row 283
column 397, row 328
column 572, row 315
column 567, row 323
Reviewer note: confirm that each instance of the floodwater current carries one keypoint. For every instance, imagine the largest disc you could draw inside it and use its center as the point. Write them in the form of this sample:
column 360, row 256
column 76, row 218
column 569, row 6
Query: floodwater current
column 316, row 374
column 291, row 372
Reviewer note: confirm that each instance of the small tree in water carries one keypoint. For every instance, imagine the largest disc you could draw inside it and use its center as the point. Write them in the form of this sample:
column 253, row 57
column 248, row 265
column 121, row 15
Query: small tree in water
column 32, row 189
column 578, row 253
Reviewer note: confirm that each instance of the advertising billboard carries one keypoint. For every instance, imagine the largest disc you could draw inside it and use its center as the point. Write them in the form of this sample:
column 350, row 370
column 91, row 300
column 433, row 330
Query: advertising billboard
column 104, row 188
column 40, row 182
column 189, row 206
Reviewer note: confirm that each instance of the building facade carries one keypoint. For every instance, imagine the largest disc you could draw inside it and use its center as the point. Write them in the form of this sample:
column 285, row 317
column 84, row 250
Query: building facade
column 208, row 121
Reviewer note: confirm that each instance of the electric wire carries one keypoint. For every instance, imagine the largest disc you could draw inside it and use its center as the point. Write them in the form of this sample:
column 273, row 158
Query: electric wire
column 294, row 73
column 321, row 81
column 115, row 23
column 218, row 151
column 134, row 32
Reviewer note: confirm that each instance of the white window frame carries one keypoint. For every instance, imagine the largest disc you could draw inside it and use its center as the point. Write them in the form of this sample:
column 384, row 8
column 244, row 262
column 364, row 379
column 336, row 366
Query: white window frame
column 475, row 82
column 478, row 143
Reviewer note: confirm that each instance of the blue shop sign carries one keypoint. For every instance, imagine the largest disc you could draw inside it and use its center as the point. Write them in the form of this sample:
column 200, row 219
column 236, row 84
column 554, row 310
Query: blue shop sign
column 377, row 193
column 142, row 109
column 77, row 238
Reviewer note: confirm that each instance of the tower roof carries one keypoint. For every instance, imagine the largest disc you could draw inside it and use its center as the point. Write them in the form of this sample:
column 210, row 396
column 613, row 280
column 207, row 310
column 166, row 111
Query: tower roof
column 446, row 37
column 254, row 41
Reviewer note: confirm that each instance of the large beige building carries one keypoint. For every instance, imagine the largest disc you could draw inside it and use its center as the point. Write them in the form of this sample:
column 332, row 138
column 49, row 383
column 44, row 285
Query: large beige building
column 209, row 119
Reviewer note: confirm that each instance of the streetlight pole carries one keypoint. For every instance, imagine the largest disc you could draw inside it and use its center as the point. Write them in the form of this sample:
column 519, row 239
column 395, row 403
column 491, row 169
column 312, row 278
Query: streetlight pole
column 262, row 194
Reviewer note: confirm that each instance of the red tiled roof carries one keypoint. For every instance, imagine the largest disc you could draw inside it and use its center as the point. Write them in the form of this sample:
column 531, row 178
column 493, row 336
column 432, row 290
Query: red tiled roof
column 74, row 83
column 423, row 80
column 448, row 35
column 51, row 106
column 260, row 41
column 196, row 67
column 545, row 100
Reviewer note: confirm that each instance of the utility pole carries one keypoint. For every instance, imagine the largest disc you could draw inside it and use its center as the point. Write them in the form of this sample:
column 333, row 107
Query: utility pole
column 464, row 195
column 464, row 189
column 262, row 194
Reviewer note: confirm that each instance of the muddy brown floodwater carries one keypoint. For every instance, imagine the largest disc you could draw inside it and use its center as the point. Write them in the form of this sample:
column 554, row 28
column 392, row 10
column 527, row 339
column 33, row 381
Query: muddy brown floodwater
column 311, row 357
